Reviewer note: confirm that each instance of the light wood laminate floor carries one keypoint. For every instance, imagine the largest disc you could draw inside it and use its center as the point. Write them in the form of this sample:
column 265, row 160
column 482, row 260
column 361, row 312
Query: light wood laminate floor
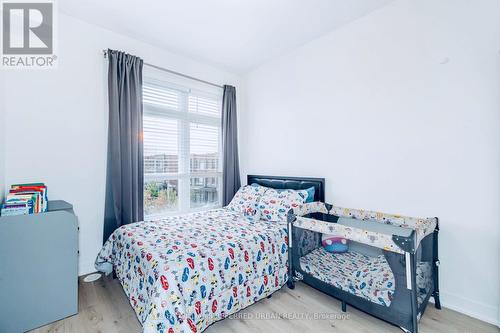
column 104, row 308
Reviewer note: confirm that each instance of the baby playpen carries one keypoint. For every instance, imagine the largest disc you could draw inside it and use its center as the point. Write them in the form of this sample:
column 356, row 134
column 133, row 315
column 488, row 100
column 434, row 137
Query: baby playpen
column 390, row 269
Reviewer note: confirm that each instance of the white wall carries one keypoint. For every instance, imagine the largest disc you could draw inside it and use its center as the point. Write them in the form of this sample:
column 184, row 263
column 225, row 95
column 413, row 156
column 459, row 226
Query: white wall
column 400, row 111
column 57, row 121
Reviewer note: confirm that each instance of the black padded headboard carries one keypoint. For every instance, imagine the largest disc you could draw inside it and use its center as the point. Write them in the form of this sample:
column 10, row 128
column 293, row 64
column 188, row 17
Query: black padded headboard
column 294, row 183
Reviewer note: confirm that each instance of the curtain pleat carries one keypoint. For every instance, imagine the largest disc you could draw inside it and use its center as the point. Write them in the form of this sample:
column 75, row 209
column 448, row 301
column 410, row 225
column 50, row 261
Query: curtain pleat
column 125, row 168
column 230, row 161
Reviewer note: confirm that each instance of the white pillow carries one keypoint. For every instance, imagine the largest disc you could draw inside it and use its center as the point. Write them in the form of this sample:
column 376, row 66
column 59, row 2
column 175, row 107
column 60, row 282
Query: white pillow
column 246, row 200
column 275, row 204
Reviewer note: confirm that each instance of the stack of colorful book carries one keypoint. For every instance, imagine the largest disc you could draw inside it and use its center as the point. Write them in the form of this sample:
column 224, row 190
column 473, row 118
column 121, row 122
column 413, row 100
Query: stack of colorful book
column 25, row 199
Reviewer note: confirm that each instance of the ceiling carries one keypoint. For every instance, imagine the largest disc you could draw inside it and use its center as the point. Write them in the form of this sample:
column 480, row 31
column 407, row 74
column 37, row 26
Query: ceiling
column 236, row 35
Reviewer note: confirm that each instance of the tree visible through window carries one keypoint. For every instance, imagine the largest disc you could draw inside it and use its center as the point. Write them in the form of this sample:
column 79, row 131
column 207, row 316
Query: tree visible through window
column 182, row 167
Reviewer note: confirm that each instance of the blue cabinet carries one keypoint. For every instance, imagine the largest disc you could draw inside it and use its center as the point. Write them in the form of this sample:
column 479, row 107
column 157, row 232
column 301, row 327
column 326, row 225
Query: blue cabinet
column 38, row 268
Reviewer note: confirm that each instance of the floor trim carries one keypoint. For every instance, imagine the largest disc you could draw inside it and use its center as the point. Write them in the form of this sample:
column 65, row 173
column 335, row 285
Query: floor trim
column 481, row 311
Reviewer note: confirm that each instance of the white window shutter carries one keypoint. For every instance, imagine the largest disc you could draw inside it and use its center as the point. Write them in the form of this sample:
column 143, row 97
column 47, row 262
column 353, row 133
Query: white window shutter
column 182, row 147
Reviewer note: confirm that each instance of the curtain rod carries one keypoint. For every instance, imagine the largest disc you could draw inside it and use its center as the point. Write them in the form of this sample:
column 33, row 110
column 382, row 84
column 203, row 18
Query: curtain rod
column 105, row 52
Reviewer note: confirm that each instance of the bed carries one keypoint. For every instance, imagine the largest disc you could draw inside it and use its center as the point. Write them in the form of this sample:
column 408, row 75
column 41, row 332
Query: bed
column 185, row 272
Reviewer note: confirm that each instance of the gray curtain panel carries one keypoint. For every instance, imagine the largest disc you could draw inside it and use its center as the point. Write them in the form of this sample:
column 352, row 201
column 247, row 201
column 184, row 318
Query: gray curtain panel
column 230, row 162
column 125, row 170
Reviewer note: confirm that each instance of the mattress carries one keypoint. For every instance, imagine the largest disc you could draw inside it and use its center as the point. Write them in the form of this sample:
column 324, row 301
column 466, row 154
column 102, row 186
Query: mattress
column 368, row 277
column 183, row 273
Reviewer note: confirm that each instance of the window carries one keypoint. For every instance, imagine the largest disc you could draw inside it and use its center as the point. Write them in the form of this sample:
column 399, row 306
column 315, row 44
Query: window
column 182, row 144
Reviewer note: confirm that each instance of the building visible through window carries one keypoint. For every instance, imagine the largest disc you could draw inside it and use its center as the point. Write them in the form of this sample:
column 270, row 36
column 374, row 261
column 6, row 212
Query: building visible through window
column 182, row 167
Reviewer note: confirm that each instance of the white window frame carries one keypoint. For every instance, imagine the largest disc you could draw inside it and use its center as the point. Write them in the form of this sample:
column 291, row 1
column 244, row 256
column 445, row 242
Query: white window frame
column 184, row 119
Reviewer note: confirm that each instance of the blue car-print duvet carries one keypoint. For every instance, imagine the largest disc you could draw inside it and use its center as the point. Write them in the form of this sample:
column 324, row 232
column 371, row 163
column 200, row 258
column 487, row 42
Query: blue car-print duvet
column 185, row 272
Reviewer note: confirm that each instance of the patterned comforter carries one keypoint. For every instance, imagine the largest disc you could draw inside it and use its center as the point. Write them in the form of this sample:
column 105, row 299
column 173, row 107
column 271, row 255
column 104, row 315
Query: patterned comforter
column 185, row 272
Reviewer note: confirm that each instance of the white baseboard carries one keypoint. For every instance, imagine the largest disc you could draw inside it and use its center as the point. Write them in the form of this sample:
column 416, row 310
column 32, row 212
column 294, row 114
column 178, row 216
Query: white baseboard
column 483, row 312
